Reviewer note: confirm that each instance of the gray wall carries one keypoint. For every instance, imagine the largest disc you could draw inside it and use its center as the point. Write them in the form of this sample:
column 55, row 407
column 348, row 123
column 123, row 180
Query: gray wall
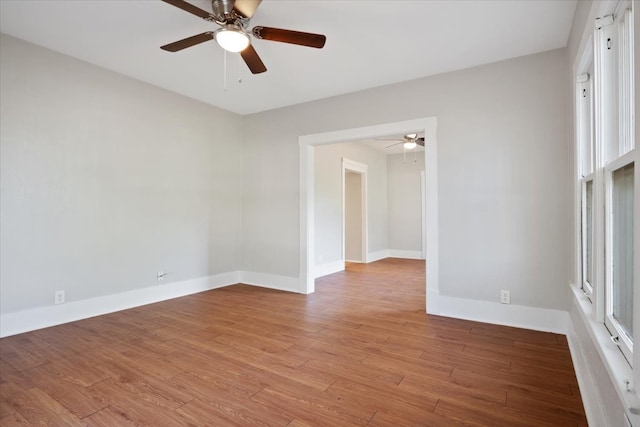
column 393, row 198
column 106, row 180
column 502, row 161
column 353, row 219
column 405, row 198
column 328, row 198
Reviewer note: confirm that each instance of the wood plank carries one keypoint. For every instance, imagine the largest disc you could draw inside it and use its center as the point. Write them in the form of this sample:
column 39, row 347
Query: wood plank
column 215, row 413
column 395, row 419
column 473, row 413
column 318, row 409
column 449, row 387
column 129, row 406
column 565, row 410
column 359, row 351
column 414, row 405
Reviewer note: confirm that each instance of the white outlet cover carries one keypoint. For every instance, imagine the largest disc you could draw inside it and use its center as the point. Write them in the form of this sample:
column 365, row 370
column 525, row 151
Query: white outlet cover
column 505, row 297
column 58, row 297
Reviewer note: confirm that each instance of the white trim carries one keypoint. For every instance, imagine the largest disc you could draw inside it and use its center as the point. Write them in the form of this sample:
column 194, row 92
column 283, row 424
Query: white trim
column 354, row 166
column 587, row 384
column 328, row 268
column 401, row 253
column 614, row 327
column 306, row 283
column 433, row 298
column 432, row 228
column 423, row 216
column 519, row 316
column 269, row 281
column 620, row 162
column 587, row 287
column 377, row 256
column 43, row 317
column 617, row 368
column 307, row 238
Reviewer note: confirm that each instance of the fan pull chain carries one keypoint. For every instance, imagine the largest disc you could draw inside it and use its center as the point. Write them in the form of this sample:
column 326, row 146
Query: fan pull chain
column 239, row 69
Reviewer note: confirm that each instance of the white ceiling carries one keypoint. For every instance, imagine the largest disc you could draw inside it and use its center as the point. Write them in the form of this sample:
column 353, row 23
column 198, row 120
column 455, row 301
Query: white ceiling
column 369, row 42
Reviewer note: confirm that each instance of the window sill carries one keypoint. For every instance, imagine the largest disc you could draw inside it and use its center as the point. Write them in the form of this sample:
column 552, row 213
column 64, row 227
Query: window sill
column 616, row 365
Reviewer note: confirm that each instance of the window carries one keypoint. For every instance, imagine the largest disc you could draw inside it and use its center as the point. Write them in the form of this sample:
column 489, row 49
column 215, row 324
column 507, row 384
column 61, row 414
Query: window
column 619, row 312
column 607, row 181
column 587, row 238
column 586, row 146
column 617, row 142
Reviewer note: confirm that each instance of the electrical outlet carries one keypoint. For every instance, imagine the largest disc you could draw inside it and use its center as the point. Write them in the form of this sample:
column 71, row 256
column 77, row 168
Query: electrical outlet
column 505, row 297
column 58, row 297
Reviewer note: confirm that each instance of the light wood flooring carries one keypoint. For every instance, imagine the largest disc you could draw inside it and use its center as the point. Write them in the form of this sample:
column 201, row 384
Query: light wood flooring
column 359, row 352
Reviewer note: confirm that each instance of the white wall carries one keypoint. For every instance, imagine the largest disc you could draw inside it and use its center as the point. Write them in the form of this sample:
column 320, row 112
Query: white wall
column 328, row 198
column 405, row 198
column 106, row 180
column 502, row 161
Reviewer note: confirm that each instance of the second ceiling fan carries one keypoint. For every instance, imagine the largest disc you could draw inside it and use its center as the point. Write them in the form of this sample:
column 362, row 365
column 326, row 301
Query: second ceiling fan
column 233, row 16
column 409, row 141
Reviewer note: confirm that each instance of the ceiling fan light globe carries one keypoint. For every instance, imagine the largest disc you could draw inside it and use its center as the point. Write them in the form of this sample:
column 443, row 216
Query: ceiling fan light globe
column 410, row 145
column 232, row 39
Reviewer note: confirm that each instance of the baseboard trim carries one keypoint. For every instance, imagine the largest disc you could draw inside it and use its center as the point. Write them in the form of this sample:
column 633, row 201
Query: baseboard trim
column 401, row 253
column 377, row 256
column 270, row 281
column 44, row 317
column 328, row 268
column 519, row 316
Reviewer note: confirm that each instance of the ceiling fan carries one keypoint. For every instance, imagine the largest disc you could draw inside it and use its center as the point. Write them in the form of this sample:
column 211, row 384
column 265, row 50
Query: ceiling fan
column 409, row 141
column 233, row 16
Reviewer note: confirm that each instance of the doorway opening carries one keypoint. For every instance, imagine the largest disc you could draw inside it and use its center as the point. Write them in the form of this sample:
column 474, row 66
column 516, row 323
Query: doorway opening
column 307, row 144
column 354, row 211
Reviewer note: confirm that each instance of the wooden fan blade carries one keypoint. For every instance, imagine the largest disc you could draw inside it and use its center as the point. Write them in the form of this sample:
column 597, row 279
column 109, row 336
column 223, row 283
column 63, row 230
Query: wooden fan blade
column 246, row 8
column 188, row 42
column 289, row 36
column 252, row 60
column 188, row 7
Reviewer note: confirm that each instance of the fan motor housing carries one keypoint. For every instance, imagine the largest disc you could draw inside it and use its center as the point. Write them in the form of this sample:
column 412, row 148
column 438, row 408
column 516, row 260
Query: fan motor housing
column 222, row 9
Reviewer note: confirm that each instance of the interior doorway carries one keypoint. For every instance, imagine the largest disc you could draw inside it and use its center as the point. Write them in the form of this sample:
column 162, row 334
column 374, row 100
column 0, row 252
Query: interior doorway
column 307, row 144
column 354, row 211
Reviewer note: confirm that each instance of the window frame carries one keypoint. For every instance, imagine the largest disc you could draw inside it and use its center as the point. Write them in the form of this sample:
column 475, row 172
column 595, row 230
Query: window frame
column 618, row 334
column 587, row 286
column 604, row 143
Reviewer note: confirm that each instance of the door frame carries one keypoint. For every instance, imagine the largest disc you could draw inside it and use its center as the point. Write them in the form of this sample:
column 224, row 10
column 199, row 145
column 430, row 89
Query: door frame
column 307, row 143
column 423, row 216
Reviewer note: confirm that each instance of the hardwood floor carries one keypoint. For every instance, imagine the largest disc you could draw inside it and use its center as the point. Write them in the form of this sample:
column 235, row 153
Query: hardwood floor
column 360, row 351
